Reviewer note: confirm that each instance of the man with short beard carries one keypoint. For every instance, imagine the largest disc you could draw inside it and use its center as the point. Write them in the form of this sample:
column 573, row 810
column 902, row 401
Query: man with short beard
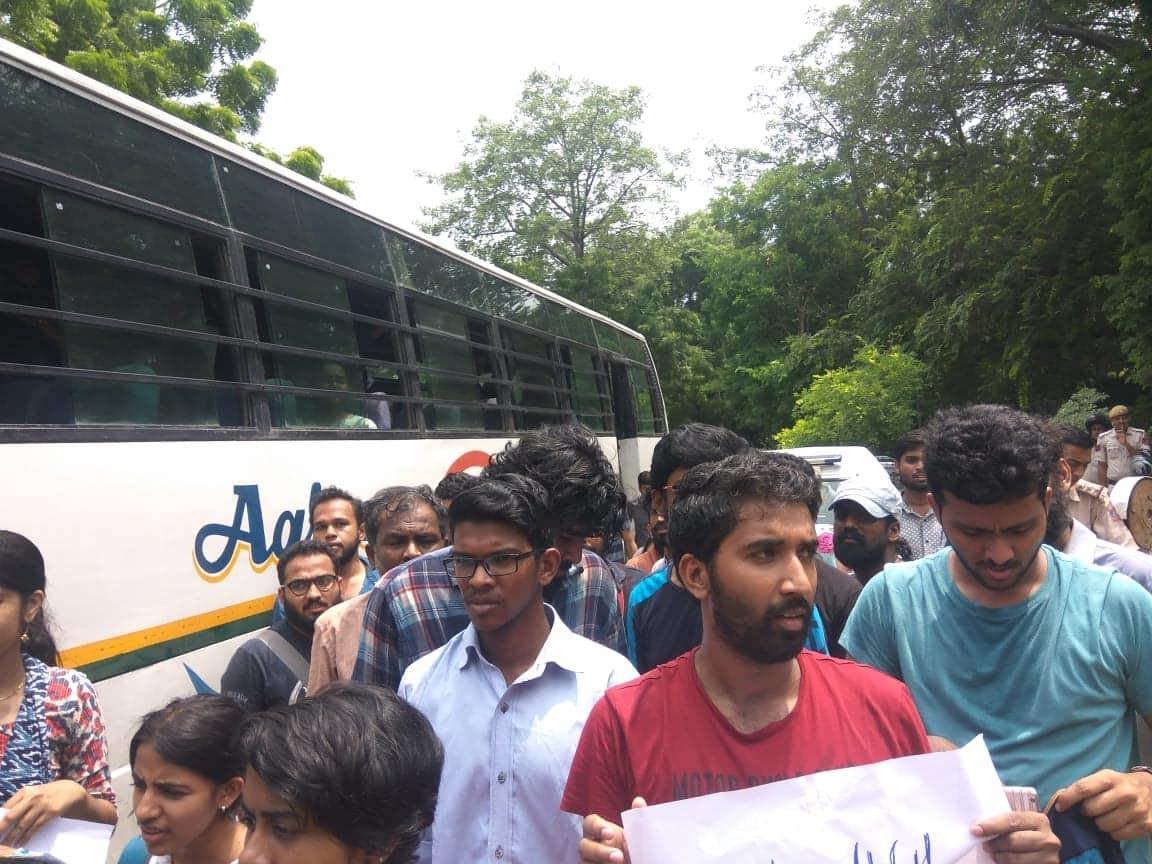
column 750, row 705
column 272, row 668
column 865, row 532
column 918, row 523
column 1000, row 635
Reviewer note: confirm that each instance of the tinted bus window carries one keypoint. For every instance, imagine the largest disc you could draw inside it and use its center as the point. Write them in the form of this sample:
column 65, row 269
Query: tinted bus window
column 52, row 127
column 121, row 293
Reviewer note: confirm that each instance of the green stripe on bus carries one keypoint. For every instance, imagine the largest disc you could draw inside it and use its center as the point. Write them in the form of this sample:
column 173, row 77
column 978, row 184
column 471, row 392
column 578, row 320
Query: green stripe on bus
column 133, row 660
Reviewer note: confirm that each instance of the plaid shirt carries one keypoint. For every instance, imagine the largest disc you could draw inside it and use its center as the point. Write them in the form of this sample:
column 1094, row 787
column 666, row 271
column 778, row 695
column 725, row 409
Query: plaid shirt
column 417, row 607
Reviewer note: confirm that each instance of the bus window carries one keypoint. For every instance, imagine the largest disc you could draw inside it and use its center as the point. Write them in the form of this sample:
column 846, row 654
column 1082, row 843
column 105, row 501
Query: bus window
column 587, row 388
column 50, row 126
column 533, row 374
column 309, row 328
column 427, row 271
column 120, row 292
column 265, row 207
column 646, row 423
column 571, row 324
column 457, row 367
column 609, row 338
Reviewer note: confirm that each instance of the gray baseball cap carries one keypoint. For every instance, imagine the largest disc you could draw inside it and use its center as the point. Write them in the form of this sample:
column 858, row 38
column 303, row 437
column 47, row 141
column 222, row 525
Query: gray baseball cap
column 876, row 495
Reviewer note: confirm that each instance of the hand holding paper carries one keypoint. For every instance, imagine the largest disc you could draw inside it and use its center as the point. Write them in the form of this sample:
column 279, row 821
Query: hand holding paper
column 914, row 810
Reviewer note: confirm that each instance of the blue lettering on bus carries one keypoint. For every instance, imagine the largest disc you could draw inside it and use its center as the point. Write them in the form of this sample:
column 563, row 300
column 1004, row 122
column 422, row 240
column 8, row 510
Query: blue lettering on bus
column 247, row 532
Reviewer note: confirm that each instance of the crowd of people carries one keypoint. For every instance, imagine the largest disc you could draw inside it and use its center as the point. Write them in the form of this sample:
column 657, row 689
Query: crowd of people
column 497, row 668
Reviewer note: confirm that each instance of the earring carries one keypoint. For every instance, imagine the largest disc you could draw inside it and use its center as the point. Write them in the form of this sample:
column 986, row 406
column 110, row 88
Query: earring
column 24, row 638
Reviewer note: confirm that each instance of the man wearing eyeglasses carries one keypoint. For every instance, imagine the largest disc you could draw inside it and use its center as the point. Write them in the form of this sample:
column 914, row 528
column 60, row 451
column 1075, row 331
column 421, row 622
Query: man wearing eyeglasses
column 272, row 667
column 418, row 608
column 509, row 695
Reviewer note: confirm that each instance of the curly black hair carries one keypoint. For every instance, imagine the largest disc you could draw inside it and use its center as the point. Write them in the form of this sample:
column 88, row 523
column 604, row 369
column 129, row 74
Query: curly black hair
column 567, row 461
column 453, row 484
column 985, row 454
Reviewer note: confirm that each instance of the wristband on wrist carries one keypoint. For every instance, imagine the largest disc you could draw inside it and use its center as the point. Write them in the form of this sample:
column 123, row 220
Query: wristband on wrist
column 1144, row 769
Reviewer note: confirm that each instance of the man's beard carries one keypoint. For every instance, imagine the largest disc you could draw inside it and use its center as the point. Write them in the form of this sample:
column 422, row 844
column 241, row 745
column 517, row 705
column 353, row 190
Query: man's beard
column 858, row 556
column 346, row 555
column 978, row 577
column 301, row 621
column 759, row 640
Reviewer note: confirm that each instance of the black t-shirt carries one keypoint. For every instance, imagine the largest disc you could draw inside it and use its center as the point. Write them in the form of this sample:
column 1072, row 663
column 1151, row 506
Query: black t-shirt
column 258, row 679
column 669, row 622
column 836, row 595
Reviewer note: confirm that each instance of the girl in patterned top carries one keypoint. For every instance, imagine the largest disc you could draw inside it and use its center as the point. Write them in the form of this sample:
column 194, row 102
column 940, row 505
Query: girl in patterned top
column 53, row 754
column 186, row 779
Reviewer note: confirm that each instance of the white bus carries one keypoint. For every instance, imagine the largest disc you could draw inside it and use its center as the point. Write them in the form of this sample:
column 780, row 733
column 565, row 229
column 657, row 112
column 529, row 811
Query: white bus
column 192, row 339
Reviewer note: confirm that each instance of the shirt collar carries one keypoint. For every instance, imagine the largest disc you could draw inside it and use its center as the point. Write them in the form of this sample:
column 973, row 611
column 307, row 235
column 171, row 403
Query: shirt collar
column 1081, row 544
column 562, row 646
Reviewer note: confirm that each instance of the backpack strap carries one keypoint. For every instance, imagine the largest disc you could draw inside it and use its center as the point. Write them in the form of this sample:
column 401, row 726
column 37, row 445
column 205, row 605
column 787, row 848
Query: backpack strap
column 285, row 652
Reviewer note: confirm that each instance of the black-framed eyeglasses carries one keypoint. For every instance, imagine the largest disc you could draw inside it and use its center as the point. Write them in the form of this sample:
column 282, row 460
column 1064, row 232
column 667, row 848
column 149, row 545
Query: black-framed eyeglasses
column 299, row 587
column 463, row 567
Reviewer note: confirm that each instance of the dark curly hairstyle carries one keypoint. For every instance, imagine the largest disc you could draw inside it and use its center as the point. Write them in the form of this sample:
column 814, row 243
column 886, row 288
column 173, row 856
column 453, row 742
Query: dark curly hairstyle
column 360, row 762
column 711, row 496
column 586, row 494
column 690, row 445
column 453, row 484
column 387, row 502
column 985, row 454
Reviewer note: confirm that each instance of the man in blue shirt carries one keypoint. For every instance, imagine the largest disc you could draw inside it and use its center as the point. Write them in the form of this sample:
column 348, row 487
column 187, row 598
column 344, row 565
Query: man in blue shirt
column 509, row 695
column 1048, row 657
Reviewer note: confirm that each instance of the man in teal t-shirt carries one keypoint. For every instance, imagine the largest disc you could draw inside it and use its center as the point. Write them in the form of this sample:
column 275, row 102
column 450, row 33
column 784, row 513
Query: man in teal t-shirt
column 1049, row 658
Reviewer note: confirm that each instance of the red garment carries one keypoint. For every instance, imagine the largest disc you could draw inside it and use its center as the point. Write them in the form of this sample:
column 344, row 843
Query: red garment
column 661, row 737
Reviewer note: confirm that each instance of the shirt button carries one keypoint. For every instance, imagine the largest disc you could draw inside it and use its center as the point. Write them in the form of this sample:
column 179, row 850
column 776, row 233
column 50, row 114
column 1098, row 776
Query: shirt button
column 499, row 853
column 503, row 707
column 501, row 777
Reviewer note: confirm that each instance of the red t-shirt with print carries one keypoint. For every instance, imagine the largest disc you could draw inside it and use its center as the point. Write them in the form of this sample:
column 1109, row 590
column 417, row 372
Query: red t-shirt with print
column 660, row 736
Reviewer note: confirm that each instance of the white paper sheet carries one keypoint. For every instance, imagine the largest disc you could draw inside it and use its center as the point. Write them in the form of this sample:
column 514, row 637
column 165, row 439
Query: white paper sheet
column 73, row 841
column 915, row 810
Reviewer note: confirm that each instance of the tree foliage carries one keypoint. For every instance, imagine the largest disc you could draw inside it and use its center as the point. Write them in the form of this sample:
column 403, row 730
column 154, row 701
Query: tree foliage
column 192, row 58
column 872, row 402
column 567, row 176
column 953, row 191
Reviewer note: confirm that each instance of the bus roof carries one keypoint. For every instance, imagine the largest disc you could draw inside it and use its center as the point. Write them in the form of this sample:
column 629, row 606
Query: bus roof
column 135, row 109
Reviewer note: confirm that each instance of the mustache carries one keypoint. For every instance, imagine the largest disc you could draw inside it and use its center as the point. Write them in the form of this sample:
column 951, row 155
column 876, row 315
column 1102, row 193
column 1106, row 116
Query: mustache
column 851, row 534
column 788, row 607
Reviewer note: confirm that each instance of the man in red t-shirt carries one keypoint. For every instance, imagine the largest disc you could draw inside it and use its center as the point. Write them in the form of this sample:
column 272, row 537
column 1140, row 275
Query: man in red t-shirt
column 749, row 706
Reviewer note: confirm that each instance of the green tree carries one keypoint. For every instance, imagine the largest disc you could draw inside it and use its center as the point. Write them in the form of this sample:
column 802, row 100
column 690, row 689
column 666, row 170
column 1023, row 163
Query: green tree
column 191, row 58
column 567, row 176
column 979, row 143
column 1077, row 407
column 872, row 402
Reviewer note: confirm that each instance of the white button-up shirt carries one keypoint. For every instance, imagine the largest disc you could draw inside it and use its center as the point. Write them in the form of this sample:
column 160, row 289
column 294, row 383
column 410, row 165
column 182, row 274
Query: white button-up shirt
column 508, row 748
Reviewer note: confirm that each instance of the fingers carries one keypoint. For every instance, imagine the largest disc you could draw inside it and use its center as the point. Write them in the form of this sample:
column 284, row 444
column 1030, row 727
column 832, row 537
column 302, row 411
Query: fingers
column 1019, row 837
column 638, row 802
column 1087, row 787
column 32, row 822
column 603, row 841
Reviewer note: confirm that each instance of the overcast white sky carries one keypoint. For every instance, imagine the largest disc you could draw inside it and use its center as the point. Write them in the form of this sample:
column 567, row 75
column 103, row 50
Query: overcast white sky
column 388, row 89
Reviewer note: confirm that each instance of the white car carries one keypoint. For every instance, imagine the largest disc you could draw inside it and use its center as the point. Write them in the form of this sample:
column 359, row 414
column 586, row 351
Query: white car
column 834, row 465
